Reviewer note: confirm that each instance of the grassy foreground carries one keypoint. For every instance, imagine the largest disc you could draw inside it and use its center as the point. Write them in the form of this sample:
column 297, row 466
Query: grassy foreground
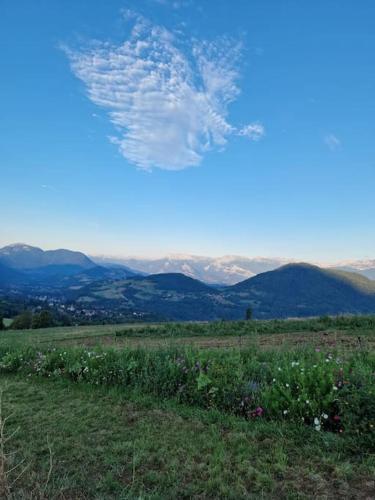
column 112, row 444
column 286, row 410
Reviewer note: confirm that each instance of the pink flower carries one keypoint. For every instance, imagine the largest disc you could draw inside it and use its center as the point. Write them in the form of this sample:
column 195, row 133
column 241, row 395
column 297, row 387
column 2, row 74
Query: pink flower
column 259, row 411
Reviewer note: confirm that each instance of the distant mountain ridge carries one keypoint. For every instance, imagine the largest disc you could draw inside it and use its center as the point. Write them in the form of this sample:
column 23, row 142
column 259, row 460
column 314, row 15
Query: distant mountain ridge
column 54, row 267
column 226, row 270
column 22, row 256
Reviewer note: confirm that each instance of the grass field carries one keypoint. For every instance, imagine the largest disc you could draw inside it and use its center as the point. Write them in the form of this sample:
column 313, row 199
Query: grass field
column 109, row 444
column 156, row 417
column 342, row 333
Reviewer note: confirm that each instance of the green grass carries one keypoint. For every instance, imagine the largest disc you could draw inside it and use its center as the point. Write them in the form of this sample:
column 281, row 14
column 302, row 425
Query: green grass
column 152, row 423
column 114, row 444
column 343, row 331
column 59, row 334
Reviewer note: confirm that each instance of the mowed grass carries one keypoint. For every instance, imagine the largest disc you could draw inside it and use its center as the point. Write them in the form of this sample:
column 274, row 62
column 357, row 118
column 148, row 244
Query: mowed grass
column 332, row 333
column 107, row 443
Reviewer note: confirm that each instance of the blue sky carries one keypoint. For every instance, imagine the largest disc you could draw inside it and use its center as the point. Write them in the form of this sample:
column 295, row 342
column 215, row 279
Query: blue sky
column 151, row 127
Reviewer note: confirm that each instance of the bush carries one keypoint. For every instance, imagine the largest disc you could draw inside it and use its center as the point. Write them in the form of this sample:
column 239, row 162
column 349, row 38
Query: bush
column 22, row 321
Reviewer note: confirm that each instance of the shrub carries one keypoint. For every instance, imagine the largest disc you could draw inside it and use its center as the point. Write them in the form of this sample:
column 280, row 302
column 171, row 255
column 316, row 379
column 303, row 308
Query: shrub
column 22, row 321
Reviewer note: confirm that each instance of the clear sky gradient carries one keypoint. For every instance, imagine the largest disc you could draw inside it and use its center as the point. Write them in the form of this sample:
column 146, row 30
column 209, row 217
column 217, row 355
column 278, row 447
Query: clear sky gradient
column 207, row 127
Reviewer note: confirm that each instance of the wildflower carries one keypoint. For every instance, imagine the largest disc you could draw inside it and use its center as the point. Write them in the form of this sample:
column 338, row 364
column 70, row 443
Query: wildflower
column 316, row 421
column 273, row 380
column 285, row 412
column 307, row 402
column 325, row 416
column 286, row 385
column 259, row 411
column 335, row 388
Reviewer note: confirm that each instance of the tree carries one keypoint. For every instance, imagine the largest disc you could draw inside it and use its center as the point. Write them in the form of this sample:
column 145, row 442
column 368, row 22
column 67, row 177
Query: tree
column 249, row 314
column 22, row 321
column 42, row 320
column 1, row 322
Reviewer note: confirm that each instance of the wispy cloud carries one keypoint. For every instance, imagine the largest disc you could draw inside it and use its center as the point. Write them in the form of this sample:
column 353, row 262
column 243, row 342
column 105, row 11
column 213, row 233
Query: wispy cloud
column 332, row 142
column 175, row 4
column 253, row 131
column 167, row 97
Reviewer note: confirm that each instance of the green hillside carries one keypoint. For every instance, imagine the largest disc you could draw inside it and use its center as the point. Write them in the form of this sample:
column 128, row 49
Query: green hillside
column 304, row 290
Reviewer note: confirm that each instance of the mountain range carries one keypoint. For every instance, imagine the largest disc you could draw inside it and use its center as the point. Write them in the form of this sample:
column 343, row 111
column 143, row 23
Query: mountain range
column 111, row 289
column 227, row 270
column 25, row 264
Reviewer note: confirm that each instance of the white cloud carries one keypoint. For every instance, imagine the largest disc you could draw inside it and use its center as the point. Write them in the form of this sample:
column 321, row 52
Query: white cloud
column 175, row 4
column 254, row 131
column 168, row 99
column 332, row 142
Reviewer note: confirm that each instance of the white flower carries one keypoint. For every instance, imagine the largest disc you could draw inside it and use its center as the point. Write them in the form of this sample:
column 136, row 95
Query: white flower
column 285, row 412
column 316, row 421
column 335, row 388
column 317, row 427
column 286, row 385
column 307, row 402
column 273, row 380
column 324, row 415
column 279, row 369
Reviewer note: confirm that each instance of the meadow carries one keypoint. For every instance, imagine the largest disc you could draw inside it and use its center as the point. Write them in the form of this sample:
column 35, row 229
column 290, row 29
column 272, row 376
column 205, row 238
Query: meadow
column 226, row 410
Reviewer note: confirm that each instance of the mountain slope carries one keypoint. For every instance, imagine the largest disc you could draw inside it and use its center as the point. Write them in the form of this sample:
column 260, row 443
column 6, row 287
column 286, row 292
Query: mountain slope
column 20, row 256
column 165, row 296
column 11, row 277
column 304, row 290
column 365, row 268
